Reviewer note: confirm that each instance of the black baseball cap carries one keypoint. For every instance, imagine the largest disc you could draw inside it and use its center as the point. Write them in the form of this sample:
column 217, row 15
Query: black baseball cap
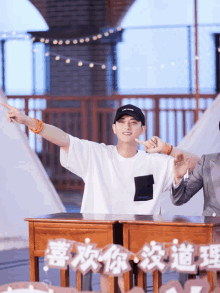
column 131, row 110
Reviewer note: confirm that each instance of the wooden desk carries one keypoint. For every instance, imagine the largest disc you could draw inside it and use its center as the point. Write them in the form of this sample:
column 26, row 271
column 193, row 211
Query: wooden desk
column 138, row 230
column 101, row 229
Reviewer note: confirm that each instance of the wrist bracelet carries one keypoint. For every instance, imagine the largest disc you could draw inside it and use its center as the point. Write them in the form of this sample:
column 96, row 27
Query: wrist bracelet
column 170, row 151
column 39, row 126
column 166, row 149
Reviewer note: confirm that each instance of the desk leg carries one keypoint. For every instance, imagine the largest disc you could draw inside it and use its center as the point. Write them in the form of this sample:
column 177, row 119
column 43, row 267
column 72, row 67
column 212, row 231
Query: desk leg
column 157, row 281
column 34, row 260
column 78, row 281
column 65, row 277
column 113, row 285
column 140, row 279
column 128, row 281
column 211, row 280
column 34, row 269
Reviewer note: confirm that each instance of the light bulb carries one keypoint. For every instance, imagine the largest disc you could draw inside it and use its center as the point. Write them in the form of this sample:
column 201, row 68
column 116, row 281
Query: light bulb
column 57, row 58
column 67, row 42
column 55, row 42
column 106, row 34
column 80, row 63
column 47, row 54
column 33, row 39
column 87, row 39
column 68, row 60
column 47, row 41
column 99, row 36
column 75, row 41
column 103, row 66
column 91, row 65
column 34, row 50
column 119, row 28
column 197, row 57
column 114, row 67
column 81, row 40
column 111, row 31
column 4, row 35
column 60, row 42
column 94, row 38
column 42, row 40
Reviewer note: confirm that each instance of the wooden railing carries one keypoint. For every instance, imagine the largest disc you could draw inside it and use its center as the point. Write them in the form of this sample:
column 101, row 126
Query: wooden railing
column 167, row 116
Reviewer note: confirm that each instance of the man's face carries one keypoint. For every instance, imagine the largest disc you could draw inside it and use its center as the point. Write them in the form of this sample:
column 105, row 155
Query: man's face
column 127, row 128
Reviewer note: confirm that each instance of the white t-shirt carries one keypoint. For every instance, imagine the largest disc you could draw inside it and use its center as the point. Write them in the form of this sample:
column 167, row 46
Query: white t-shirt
column 110, row 179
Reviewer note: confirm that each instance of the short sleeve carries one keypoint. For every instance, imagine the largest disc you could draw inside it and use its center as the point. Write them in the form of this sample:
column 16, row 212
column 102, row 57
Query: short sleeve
column 76, row 160
column 169, row 176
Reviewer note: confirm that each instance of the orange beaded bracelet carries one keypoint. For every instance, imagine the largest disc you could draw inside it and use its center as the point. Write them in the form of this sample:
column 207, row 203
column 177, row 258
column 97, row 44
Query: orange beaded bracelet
column 166, row 149
column 170, row 151
column 39, row 126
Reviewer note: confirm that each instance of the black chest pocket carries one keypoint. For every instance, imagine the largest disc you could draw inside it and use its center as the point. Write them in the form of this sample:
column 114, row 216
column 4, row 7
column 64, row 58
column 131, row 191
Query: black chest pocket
column 143, row 188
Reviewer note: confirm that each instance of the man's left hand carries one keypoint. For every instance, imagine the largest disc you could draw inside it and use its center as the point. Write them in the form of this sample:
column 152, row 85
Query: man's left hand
column 153, row 145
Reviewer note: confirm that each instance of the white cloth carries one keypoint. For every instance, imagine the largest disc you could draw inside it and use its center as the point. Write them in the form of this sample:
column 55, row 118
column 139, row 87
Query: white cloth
column 109, row 177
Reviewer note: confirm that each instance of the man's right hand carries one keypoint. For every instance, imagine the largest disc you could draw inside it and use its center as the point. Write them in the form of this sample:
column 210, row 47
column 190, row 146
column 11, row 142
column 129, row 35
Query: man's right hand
column 15, row 114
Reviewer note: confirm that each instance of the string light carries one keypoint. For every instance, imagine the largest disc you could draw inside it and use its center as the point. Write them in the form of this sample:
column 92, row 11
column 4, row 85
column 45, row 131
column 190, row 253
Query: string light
column 103, row 66
column 99, row 36
column 47, row 41
column 81, row 40
column 91, row 65
column 55, row 42
column 87, row 39
column 111, row 31
column 68, row 60
column 42, row 40
column 33, row 39
column 114, row 67
column 75, row 41
column 119, row 29
column 67, row 42
column 94, row 38
column 60, row 42
column 106, row 34
column 47, row 54
column 197, row 57
column 57, row 58
column 4, row 35
column 80, row 63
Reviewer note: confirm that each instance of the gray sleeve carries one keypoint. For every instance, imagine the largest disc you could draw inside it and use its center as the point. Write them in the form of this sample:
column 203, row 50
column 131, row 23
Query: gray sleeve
column 190, row 186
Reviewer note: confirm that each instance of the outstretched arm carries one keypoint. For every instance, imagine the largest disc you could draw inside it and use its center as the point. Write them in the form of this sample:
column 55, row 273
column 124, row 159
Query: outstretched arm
column 187, row 188
column 49, row 132
column 157, row 145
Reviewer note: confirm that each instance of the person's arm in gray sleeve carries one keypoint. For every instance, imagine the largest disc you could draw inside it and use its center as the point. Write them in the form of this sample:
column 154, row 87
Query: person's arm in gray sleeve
column 187, row 188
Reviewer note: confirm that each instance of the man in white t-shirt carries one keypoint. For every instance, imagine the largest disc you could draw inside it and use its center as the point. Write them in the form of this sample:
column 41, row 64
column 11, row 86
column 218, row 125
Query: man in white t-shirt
column 118, row 179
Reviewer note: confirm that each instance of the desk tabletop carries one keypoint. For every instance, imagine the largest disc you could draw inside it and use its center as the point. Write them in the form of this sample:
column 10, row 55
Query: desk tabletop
column 75, row 218
column 135, row 219
column 172, row 220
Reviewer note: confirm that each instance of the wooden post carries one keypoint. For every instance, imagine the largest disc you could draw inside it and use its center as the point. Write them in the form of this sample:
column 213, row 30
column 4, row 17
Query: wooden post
column 196, row 64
